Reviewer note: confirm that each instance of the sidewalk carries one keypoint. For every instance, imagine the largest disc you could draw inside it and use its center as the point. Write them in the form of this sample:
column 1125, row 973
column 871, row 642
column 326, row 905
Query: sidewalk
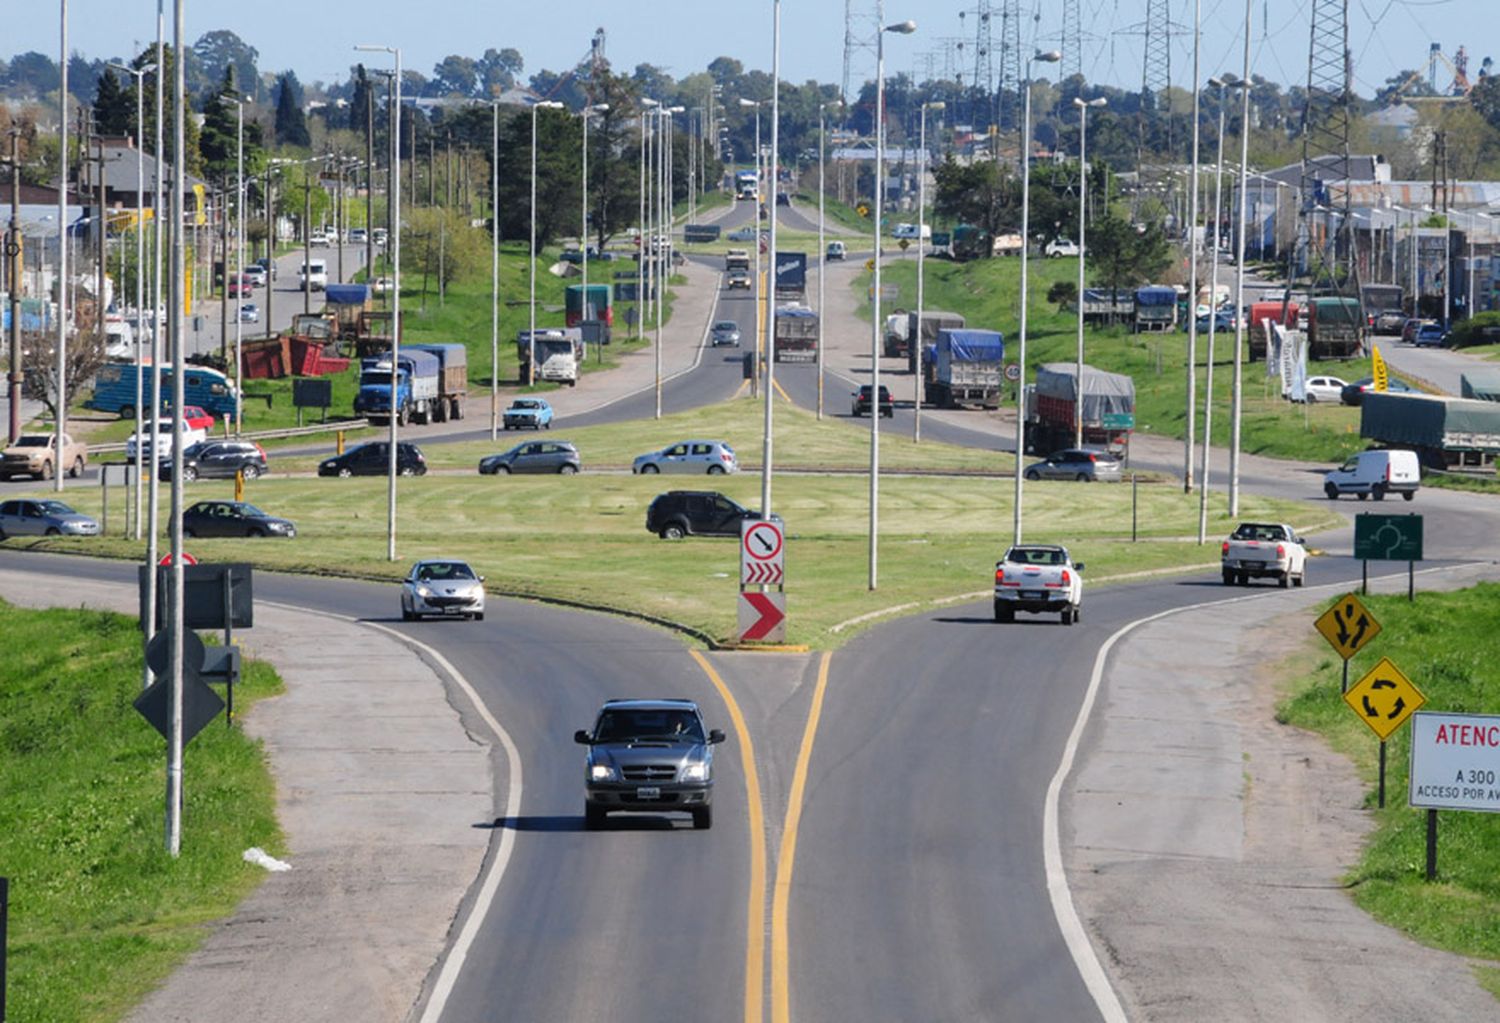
column 1204, row 842
column 379, row 788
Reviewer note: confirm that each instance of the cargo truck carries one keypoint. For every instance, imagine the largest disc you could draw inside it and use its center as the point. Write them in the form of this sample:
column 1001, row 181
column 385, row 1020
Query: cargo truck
column 413, row 378
column 598, row 305
column 115, row 389
column 737, row 259
column 1384, row 306
column 791, row 276
column 796, row 334
column 453, row 379
column 898, row 344
column 965, row 367
column 1284, row 313
column 344, row 304
column 1155, row 309
column 1444, row 431
column 559, row 353
column 1108, row 408
column 1335, row 329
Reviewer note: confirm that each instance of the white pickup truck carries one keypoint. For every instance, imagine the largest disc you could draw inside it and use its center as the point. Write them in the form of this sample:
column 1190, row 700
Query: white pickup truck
column 1261, row 549
column 1038, row 578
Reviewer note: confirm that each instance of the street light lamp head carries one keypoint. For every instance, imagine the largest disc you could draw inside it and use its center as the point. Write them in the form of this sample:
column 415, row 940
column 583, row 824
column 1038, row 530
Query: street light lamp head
column 936, row 104
column 1048, row 56
column 1219, row 83
column 367, row 48
column 749, row 102
column 904, row 28
column 1095, row 103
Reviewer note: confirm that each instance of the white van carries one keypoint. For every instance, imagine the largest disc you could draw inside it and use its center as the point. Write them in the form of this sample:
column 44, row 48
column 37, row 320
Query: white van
column 836, row 250
column 313, row 275
column 1375, row 473
column 911, row 231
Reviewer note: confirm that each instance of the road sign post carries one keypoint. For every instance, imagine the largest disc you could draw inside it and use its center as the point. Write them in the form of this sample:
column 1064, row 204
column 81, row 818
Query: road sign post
column 762, row 611
column 1347, row 626
column 1388, row 538
column 1455, row 765
column 4, row 927
column 1384, row 698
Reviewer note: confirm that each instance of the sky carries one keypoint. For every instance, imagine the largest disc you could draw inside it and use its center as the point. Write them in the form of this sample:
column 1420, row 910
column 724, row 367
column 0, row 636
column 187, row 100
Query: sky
column 682, row 36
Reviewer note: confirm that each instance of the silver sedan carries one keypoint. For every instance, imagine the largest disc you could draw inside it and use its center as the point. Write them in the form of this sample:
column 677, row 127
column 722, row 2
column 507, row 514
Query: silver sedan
column 43, row 518
column 446, row 589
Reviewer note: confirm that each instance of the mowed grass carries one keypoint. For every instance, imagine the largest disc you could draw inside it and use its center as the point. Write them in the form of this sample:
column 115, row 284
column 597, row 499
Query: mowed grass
column 99, row 913
column 583, row 538
column 1446, row 643
column 987, row 293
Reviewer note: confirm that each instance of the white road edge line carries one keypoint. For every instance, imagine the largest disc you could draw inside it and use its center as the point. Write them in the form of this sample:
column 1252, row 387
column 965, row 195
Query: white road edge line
column 1061, row 896
column 496, row 869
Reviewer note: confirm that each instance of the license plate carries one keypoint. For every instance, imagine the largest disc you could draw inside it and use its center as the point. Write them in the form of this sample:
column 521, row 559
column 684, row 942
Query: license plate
column 648, row 792
column 1032, row 594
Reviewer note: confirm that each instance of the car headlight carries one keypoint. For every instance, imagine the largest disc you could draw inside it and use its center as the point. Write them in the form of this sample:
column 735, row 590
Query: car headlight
column 695, row 772
column 424, row 591
column 279, row 527
column 601, row 772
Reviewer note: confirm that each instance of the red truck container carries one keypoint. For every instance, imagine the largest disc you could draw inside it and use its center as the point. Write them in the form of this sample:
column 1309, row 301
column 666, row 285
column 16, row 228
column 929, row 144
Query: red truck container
column 1259, row 313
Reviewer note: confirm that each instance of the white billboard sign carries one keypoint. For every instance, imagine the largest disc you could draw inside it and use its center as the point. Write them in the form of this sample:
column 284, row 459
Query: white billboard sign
column 1455, row 761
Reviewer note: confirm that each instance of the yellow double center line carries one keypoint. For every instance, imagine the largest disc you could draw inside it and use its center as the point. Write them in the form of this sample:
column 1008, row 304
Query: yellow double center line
column 755, row 941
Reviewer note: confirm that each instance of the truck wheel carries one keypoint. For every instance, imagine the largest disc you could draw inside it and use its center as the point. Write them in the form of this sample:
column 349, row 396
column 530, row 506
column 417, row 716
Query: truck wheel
column 703, row 818
column 77, row 469
column 1300, row 579
column 1361, row 495
column 401, row 417
column 1003, row 613
column 46, row 473
column 1228, row 577
column 1284, row 580
column 1407, row 495
column 1243, row 578
column 1033, row 475
column 672, row 531
column 593, row 817
column 1331, row 491
column 127, row 412
column 1067, row 616
column 1082, row 477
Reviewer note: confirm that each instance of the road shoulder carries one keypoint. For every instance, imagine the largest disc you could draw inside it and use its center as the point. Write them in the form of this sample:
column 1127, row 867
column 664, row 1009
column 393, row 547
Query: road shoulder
column 1206, row 842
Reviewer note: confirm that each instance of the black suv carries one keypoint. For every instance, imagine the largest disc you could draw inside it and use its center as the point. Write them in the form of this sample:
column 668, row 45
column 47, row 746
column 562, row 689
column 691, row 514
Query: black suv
column 218, row 459
column 374, row 459
column 862, row 401
column 680, row 513
column 652, row 755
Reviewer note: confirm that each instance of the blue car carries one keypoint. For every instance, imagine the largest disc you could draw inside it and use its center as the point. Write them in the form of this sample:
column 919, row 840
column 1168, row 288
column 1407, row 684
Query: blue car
column 1430, row 335
column 528, row 413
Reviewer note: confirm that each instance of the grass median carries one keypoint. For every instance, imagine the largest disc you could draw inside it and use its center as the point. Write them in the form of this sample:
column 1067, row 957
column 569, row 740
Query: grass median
column 99, row 912
column 1441, row 643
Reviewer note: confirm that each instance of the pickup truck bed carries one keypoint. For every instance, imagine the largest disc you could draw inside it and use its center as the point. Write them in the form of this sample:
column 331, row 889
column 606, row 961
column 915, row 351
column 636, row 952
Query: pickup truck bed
column 1259, row 550
column 1038, row 578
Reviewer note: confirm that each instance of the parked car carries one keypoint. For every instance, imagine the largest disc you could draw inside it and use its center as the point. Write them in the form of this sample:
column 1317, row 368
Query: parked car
column 836, row 250
column 233, row 518
column 450, row 589
column 1430, row 335
column 1223, row 322
column 1354, row 394
column 373, row 459
column 651, row 755
column 528, row 413
column 742, row 234
column 218, row 459
column 1059, row 247
column 318, row 239
column 1325, row 389
column 1409, row 329
column 43, row 518
column 680, row 513
column 1375, row 474
column 249, row 312
column 725, row 332
column 912, row 231
column 381, row 285
column 1091, row 465
column 34, row 455
column 194, row 417
column 690, row 456
column 862, row 401
column 737, row 279
column 558, row 456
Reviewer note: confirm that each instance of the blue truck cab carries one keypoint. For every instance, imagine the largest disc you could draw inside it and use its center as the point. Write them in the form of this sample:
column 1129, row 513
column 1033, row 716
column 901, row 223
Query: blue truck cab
column 115, row 389
column 416, row 386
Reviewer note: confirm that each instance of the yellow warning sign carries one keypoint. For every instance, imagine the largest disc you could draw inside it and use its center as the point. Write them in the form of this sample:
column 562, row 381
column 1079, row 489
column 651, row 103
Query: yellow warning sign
column 1348, row 626
column 1384, row 698
column 869, row 264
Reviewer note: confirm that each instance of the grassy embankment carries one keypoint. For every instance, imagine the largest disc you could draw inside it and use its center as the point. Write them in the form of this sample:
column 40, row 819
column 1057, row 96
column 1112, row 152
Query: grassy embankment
column 1441, row 643
column 581, row 538
column 99, row 913
column 987, row 292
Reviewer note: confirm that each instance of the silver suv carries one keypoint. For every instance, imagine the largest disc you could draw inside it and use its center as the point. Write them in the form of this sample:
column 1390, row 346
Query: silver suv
column 649, row 755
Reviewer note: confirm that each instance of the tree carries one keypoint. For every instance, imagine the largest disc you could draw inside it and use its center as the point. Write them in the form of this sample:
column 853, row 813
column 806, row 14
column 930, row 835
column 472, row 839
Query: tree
column 982, row 194
column 1123, row 256
column 219, row 143
column 360, row 100
column 557, row 179
column 147, row 56
column 1485, row 98
column 455, row 76
column 216, row 52
column 34, row 73
column 114, row 106
column 291, row 123
column 498, row 70
column 39, row 363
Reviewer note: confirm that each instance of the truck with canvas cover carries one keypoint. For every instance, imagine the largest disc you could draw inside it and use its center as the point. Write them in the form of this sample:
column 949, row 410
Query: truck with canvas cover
column 409, row 386
column 598, row 304
column 344, row 303
column 796, row 334
column 967, row 367
column 453, row 379
column 1444, row 431
column 558, row 351
column 737, row 259
column 1256, row 331
column 1108, row 306
column 1335, row 328
column 1155, row 309
column 925, row 331
column 1108, row 408
column 1385, row 307
column 1480, row 384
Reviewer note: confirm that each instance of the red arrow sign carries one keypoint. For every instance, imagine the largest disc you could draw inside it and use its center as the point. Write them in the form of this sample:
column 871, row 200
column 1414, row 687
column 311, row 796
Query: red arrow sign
column 763, row 574
column 771, row 615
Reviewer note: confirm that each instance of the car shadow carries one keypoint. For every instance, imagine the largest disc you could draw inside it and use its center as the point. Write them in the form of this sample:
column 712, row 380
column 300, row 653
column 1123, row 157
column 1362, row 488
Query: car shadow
column 1033, row 620
column 613, row 822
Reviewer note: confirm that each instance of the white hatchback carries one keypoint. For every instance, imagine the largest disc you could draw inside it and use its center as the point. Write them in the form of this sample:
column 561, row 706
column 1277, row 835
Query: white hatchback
column 713, row 457
column 1325, row 389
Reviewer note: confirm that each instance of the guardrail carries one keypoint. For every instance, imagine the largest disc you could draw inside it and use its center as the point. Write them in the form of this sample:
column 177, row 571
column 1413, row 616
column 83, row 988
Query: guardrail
column 290, row 431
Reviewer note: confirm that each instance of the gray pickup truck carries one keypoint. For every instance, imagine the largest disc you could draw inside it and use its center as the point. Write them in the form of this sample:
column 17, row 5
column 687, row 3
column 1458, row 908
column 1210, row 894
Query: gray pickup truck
column 649, row 756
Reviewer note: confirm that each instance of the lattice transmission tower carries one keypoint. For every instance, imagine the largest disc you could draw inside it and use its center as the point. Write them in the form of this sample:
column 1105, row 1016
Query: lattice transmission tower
column 982, row 78
column 1324, row 238
column 1072, row 40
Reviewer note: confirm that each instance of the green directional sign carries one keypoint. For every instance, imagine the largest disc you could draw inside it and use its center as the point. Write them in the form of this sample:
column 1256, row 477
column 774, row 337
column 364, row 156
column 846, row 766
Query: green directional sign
column 1388, row 537
column 1118, row 420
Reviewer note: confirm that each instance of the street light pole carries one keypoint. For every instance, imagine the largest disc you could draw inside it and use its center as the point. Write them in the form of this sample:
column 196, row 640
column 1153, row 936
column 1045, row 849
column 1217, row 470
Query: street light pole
column 903, row 28
column 531, row 261
column 822, row 245
column 759, row 199
column 770, row 304
column 239, row 262
column 60, row 392
column 1193, row 249
column 915, row 342
column 1208, row 381
column 1239, row 280
column 495, row 271
column 395, row 242
column 1048, row 57
column 1083, row 191
column 583, row 223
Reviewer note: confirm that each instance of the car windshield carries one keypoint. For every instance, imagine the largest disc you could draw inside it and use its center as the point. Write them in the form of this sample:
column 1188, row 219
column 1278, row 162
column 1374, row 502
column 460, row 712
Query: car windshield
column 524, row 404
column 438, row 570
column 726, row 325
column 54, row 508
column 626, row 725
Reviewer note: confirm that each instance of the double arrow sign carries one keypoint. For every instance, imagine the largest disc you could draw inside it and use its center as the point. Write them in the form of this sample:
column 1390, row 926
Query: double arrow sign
column 762, row 574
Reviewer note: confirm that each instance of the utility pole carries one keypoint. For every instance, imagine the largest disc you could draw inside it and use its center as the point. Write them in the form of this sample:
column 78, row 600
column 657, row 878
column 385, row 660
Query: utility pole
column 224, row 257
column 370, row 188
column 307, row 239
column 14, row 256
column 270, row 253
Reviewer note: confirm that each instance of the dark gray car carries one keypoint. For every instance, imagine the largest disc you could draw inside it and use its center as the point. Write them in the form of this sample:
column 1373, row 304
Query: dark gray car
column 43, row 518
column 556, row 456
column 649, row 755
column 1090, row 465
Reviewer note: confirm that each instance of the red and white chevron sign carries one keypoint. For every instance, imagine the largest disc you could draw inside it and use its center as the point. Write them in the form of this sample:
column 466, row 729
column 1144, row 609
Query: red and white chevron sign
column 761, row 574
